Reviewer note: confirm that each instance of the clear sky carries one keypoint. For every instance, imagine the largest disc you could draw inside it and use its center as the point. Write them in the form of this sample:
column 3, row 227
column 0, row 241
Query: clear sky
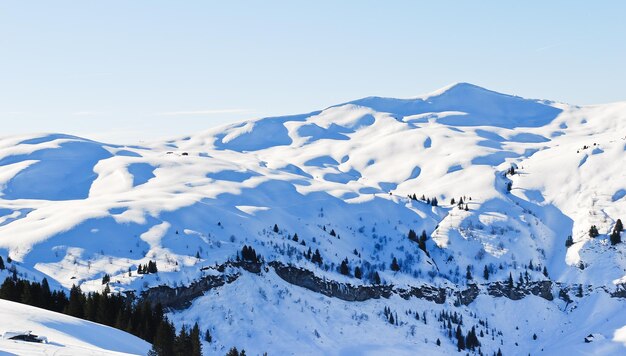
column 127, row 71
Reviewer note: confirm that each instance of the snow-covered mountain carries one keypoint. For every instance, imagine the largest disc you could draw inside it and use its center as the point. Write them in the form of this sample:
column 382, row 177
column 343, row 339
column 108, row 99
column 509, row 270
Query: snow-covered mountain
column 529, row 173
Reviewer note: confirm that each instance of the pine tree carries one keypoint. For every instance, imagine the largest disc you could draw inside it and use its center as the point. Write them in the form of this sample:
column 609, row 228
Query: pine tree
column 569, row 241
column 486, row 273
column 196, row 345
column 545, row 271
column 438, row 342
column 394, row 265
column 76, row 305
column 376, row 278
column 164, row 339
column 615, row 237
column 468, row 274
column 412, row 236
column 106, row 278
column 618, row 226
column 593, row 231
column 344, row 269
column 317, row 258
column 460, row 339
column 207, row 336
column 510, row 280
column 357, row 272
column 422, row 241
column 1, row 264
column 275, row 230
column 333, row 233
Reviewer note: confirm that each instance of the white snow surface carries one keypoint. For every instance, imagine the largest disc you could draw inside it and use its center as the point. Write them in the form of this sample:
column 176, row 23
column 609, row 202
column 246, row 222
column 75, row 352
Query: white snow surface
column 72, row 209
column 66, row 335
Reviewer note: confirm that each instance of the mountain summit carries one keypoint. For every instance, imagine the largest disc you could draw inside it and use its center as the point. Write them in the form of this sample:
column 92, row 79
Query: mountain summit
column 475, row 106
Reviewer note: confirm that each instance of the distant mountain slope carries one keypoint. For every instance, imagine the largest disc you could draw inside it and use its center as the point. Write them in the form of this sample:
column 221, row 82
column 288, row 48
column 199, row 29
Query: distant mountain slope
column 529, row 174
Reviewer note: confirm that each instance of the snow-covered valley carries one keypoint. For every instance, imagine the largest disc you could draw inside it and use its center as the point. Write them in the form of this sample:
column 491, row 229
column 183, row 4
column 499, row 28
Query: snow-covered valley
column 469, row 192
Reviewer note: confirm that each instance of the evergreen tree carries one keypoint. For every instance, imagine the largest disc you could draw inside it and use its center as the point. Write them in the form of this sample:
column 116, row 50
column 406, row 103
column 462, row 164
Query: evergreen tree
column 106, row 278
column 232, row 352
column 357, row 272
column 376, row 278
column 196, row 345
column 164, row 339
column 615, row 237
column 468, row 274
column 593, row 231
column 275, row 228
column 207, row 336
column 510, row 280
column 1, row 264
column 333, row 233
column 317, row 258
column 618, row 226
column 422, row 241
column 394, row 265
column 76, row 304
column 545, row 271
column 569, row 241
column 460, row 339
column 486, row 273
column 344, row 268
column 412, row 236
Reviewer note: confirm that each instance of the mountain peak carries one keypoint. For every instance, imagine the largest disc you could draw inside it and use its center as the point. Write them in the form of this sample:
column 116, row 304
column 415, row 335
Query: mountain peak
column 479, row 107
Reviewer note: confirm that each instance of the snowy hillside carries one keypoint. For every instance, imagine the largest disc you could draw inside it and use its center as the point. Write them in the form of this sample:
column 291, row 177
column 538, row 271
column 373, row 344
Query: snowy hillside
column 66, row 335
column 349, row 181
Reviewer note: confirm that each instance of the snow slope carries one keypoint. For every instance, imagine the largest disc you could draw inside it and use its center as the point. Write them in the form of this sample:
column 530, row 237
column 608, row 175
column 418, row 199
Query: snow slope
column 73, row 209
column 66, row 335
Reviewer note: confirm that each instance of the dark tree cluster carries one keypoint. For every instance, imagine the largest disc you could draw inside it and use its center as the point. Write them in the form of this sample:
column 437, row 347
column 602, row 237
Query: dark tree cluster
column 234, row 352
column 431, row 201
column 421, row 241
column 314, row 257
column 389, row 315
column 106, row 278
column 151, row 267
column 249, row 254
column 569, row 241
column 593, row 231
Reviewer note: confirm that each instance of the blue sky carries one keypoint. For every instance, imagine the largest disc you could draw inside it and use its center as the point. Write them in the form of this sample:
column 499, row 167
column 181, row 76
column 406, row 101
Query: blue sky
column 126, row 71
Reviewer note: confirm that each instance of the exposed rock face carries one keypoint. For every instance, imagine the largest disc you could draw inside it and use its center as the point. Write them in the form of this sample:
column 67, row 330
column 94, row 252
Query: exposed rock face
column 541, row 289
column 182, row 297
column 307, row 279
column 467, row 296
